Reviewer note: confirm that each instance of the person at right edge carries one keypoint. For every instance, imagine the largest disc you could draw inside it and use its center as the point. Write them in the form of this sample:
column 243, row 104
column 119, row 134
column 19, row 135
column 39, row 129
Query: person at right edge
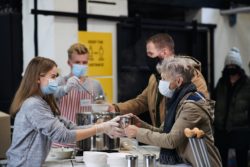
column 232, row 95
column 159, row 47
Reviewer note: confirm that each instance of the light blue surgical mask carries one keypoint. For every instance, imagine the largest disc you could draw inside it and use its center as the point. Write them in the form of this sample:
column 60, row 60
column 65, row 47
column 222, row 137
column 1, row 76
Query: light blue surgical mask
column 50, row 88
column 79, row 70
column 164, row 88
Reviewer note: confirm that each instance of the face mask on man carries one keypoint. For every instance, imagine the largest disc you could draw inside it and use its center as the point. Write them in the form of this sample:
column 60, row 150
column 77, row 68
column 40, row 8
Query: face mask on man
column 79, row 70
column 164, row 88
column 50, row 88
column 232, row 71
column 229, row 71
column 152, row 62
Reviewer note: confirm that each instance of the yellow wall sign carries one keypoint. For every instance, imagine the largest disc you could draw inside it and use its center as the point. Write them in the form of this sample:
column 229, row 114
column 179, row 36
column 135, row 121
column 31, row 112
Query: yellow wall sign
column 100, row 52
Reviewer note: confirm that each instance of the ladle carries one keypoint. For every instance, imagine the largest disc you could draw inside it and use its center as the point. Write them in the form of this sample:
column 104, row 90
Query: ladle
column 97, row 99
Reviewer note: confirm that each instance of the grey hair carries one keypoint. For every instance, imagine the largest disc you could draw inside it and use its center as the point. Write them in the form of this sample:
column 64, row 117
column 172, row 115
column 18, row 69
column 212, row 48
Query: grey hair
column 177, row 66
column 159, row 65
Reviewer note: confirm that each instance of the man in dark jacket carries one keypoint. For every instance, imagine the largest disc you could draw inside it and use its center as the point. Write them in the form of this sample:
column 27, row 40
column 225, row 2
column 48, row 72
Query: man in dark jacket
column 232, row 95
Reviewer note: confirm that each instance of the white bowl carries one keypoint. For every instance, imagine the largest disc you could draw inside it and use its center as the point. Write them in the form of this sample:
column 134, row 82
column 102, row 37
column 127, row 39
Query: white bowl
column 100, row 107
column 61, row 153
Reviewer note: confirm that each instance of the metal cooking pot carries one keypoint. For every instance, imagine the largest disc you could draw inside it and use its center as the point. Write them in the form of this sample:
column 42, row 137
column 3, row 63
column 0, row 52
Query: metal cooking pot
column 97, row 142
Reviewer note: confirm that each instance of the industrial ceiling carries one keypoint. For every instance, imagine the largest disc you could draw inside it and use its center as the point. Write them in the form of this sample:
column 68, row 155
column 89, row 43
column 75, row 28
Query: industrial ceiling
column 175, row 9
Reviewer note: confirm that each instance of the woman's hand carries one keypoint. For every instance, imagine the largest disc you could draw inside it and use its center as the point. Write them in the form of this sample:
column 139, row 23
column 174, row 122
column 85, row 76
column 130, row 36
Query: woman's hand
column 131, row 131
column 112, row 128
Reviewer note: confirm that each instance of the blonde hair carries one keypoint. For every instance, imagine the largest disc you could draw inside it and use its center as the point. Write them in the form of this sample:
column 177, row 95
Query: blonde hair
column 77, row 48
column 29, row 86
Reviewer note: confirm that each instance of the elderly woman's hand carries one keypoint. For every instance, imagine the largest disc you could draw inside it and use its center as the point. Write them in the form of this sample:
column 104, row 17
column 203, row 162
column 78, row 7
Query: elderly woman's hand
column 137, row 121
column 131, row 131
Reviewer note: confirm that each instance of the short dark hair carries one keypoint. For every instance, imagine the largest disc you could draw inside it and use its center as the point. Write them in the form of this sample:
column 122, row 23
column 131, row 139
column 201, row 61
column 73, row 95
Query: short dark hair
column 162, row 40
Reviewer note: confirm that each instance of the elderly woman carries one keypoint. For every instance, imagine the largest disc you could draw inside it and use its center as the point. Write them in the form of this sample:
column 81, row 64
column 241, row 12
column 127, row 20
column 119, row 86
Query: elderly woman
column 186, row 108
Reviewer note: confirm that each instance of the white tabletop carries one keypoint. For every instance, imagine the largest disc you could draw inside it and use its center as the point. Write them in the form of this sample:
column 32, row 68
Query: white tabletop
column 63, row 163
column 140, row 150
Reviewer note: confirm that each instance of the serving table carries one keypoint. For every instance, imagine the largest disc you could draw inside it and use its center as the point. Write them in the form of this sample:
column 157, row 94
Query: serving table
column 140, row 150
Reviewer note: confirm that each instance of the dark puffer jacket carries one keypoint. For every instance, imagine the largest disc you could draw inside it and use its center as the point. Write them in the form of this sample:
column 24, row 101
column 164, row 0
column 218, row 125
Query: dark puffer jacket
column 232, row 105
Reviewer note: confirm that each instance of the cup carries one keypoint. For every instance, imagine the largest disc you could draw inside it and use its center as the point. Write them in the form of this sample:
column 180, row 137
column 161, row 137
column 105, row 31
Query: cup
column 132, row 160
column 124, row 122
column 149, row 160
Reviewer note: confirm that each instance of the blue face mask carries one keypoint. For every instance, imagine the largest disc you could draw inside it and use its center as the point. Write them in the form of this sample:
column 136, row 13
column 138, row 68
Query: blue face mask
column 50, row 88
column 79, row 70
column 164, row 89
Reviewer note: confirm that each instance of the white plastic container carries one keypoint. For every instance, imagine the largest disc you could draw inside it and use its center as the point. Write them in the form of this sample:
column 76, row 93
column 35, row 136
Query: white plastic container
column 100, row 107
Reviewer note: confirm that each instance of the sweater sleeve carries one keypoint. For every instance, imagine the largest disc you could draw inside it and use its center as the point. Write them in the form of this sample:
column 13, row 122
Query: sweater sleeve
column 188, row 118
column 71, row 125
column 44, row 122
column 67, row 123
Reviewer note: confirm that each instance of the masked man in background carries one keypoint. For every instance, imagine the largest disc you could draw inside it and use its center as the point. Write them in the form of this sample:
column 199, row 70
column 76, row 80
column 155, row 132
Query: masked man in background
column 232, row 117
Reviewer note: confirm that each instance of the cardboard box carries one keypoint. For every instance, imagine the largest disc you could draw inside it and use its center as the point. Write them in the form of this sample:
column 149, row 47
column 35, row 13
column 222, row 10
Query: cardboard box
column 5, row 138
